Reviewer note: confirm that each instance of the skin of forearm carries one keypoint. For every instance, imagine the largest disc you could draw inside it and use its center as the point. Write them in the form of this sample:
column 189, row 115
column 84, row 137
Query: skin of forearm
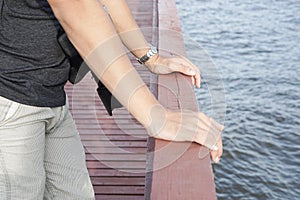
column 125, row 24
column 88, row 26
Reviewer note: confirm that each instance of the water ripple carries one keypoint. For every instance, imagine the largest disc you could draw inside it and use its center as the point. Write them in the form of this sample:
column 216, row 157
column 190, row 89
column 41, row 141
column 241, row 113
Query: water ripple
column 256, row 47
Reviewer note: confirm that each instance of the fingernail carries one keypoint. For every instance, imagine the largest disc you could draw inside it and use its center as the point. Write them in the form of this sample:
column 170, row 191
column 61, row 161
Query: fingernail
column 217, row 159
column 215, row 148
column 192, row 72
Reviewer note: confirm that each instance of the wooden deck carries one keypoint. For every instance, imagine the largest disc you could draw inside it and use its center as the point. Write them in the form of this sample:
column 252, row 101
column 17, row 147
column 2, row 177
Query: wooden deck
column 116, row 147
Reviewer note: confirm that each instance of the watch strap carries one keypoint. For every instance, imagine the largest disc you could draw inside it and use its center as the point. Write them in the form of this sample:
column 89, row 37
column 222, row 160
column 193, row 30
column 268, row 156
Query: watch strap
column 152, row 51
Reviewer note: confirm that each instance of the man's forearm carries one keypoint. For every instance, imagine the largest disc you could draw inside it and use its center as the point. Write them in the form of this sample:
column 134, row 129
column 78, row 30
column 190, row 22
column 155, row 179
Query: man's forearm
column 92, row 33
column 125, row 24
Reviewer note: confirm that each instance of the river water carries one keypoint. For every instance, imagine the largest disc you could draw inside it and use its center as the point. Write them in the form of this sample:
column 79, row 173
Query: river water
column 255, row 46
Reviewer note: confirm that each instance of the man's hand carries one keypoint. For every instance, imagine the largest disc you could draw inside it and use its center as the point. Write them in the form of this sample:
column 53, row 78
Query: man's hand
column 90, row 30
column 217, row 152
column 166, row 65
column 187, row 125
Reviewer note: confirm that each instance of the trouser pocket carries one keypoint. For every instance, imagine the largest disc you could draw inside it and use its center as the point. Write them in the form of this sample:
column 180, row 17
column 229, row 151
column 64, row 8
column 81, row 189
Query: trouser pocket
column 8, row 109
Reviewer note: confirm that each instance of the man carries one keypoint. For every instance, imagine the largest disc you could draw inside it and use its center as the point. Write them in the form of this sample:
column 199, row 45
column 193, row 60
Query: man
column 41, row 155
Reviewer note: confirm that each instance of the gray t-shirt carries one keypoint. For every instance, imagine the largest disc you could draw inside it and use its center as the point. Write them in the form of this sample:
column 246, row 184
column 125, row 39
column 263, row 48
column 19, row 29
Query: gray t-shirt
column 33, row 67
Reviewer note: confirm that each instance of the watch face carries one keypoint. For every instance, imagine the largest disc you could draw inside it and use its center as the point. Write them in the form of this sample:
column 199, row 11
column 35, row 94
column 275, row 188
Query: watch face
column 153, row 49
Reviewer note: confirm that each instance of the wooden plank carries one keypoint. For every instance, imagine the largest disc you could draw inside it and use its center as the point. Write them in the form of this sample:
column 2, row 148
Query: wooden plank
column 111, row 181
column 113, row 150
column 109, row 127
column 116, row 137
column 121, row 157
column 121, row 176
column 121, row 190
column 116, row 173
column 114, row 144
column 95, row 164
column 178, row 172
column 133, row 132
column 119, row 197
column 132, row 167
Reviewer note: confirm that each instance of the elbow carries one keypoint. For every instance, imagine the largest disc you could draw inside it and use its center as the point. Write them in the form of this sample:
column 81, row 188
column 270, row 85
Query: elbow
column 63, row 10
column 72, row 13
column 58, row 7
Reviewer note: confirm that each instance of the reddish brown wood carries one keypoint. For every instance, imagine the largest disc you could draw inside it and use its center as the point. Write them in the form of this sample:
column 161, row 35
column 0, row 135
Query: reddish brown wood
column 124, row 190
column 179, row 173
column 116, row 173
column 116, row 146
column 111, row 143
column 119, row 197
column 95, row 164
column 95, row 150
column 126, row 181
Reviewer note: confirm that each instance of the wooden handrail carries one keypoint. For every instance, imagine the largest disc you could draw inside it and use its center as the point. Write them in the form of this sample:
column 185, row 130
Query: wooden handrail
column 176, row 170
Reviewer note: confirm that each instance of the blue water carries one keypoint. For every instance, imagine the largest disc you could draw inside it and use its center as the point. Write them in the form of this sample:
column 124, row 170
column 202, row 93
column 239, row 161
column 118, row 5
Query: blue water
column 255, row 46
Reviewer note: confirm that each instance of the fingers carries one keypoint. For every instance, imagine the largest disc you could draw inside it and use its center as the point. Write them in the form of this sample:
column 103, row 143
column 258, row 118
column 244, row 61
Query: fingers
column 191, row 71
column 217, row 153
column 185, row 69
column 189, row 126
column 166, row 65
column 184, row 66
column 197, row 78
column 193, row 80
column 208, row 132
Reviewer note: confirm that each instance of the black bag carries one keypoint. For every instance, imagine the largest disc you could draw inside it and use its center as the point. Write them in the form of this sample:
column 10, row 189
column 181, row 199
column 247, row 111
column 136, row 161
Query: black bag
column 79, row 69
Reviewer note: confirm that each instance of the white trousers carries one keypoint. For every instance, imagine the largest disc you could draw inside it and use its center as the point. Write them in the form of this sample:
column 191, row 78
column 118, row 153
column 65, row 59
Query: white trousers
column 41, row 155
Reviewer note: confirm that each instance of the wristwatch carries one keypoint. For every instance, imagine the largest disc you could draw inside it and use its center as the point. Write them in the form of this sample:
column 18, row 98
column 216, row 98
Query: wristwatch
column 152, row 51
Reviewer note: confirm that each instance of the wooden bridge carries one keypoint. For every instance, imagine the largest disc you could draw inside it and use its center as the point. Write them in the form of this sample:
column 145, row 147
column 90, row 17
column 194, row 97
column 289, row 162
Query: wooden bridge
column 124, row 164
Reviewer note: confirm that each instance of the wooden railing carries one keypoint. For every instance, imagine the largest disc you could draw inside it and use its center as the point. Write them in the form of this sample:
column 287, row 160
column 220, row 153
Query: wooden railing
column 176, row 170
column 116, row 147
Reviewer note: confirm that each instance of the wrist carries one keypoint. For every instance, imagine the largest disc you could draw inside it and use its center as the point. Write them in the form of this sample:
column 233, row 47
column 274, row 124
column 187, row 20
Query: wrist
column 152, row 61
column 157, row 64
column 151, row 52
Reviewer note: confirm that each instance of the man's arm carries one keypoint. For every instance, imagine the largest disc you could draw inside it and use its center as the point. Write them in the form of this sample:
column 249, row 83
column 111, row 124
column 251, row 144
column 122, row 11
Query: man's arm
column 128, row 29
column 92, row 33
